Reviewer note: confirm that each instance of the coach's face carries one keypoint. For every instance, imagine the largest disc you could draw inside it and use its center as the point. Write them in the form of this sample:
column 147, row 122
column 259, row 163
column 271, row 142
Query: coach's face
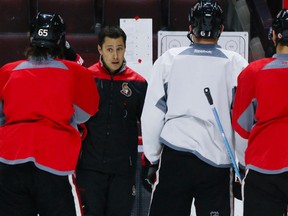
column 112, row 51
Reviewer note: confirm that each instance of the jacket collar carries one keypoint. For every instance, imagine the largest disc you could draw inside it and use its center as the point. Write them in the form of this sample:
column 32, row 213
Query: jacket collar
column 120, row 70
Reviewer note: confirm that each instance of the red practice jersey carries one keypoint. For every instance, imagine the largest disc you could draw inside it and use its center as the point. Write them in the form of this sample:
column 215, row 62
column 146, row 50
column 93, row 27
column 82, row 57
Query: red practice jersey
column 260, row 113
column 41, row 104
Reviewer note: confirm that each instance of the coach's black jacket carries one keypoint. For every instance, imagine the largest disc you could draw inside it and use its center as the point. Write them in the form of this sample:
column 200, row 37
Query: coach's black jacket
column 111, row 144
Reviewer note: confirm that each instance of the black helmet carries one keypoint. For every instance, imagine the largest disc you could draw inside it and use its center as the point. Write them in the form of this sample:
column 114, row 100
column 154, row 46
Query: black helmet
column 280, row 26
column 47, row 30
column 206, row 18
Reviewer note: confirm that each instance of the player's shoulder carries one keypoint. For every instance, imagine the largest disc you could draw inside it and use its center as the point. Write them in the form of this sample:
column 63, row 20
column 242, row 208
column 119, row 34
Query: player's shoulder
column 12, row 65
column 234, row 56
column 261, row 63
column 176, row 50
column 72, row 65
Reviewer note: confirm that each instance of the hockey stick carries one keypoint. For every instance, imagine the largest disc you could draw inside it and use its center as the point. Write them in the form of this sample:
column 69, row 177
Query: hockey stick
column 210, row 101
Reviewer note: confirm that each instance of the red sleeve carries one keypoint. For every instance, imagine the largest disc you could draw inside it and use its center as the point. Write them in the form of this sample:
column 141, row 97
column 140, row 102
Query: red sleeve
column 243, row 99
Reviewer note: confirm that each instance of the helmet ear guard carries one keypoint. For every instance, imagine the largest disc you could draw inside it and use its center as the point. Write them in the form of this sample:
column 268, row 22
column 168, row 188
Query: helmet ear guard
column 206, row 18
column 47, row 30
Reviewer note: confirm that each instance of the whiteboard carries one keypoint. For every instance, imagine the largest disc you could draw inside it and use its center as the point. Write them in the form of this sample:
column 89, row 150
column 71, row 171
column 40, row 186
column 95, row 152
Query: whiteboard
column 139, row 46
column 236, row 41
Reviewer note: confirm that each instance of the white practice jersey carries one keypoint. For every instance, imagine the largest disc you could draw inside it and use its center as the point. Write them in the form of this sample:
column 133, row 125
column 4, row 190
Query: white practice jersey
column 176, row 112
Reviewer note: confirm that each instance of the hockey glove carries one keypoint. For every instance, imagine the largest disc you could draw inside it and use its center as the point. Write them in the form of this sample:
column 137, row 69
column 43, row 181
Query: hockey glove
column 151, row 174
column 148, row 173
column 71, row 55
column 144, row 170
column 237, row 187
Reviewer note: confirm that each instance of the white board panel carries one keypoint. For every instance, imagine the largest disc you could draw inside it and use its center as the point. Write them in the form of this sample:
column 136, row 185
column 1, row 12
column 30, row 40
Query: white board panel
column 236, row 41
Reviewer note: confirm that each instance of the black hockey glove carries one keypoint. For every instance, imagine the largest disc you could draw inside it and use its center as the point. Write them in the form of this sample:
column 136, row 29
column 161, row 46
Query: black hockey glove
column 237, row 187
column 144, row 170
column 69, row 53
column 151, row 174
column 148, row 173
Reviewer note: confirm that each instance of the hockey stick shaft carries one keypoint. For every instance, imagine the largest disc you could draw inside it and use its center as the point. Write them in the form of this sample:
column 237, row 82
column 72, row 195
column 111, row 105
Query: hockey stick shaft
column 231, row 156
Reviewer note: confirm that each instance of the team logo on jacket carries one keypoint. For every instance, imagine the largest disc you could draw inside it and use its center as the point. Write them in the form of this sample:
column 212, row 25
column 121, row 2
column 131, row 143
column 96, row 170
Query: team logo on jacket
column 126, row 90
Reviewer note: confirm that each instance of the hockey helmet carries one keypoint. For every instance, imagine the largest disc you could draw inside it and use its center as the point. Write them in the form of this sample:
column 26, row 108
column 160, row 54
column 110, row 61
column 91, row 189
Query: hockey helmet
column 280, row 26
column 47, row 30
column 206, row 18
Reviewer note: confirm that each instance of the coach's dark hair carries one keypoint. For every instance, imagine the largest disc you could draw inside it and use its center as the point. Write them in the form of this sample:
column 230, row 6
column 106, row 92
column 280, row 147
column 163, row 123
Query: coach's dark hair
column 111, row 32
